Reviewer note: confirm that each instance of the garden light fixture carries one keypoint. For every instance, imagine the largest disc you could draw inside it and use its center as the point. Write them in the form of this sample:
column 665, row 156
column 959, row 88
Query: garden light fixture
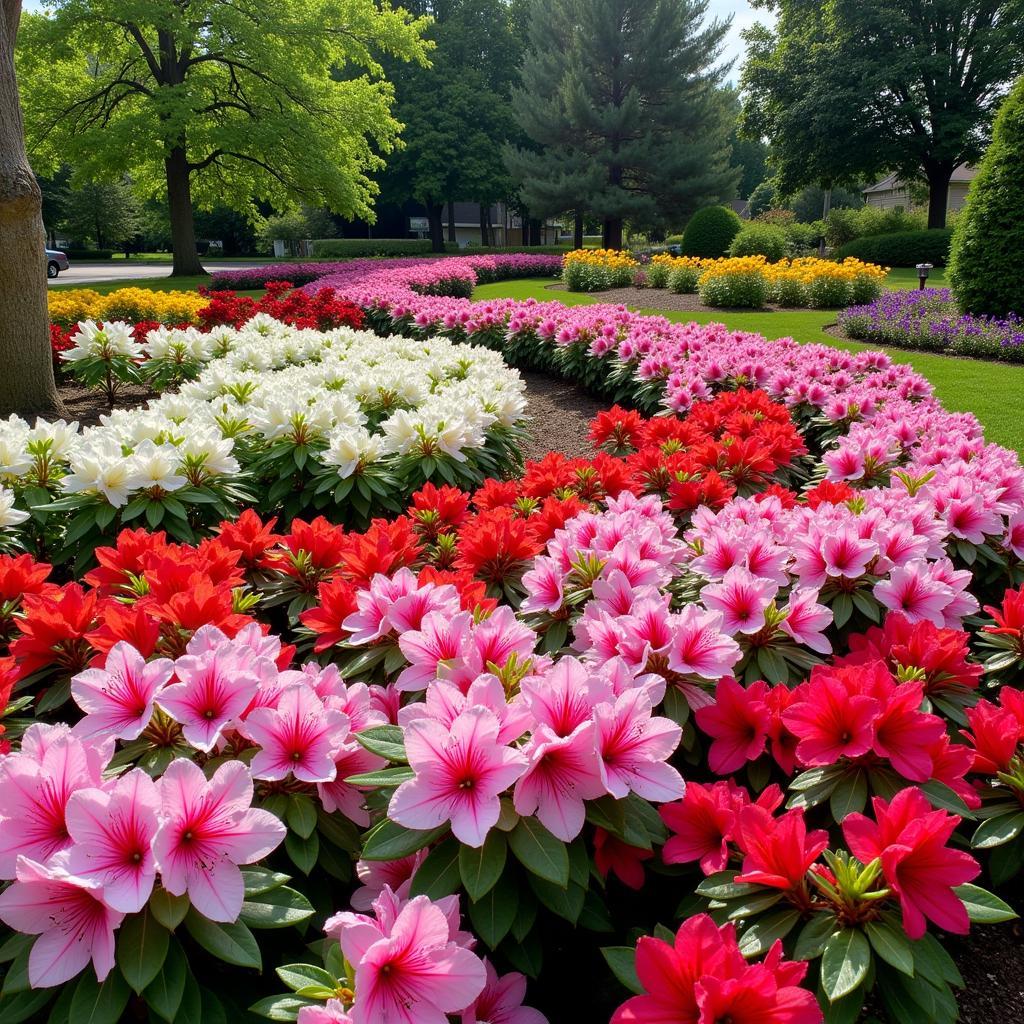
column 922, row 274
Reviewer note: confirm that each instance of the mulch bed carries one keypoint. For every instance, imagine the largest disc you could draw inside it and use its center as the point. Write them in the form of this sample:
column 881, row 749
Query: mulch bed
column 662, row 298
column 87, row 406
column 991, row 960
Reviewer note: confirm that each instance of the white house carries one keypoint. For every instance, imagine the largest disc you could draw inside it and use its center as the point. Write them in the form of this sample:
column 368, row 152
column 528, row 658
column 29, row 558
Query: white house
column 891, row 191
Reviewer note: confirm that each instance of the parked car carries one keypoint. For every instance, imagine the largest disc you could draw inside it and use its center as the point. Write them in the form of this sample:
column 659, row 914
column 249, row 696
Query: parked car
column 56, row 261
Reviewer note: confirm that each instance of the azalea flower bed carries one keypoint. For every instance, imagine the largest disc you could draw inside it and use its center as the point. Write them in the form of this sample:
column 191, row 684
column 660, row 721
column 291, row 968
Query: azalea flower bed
column 929, row 319
column 734, row 701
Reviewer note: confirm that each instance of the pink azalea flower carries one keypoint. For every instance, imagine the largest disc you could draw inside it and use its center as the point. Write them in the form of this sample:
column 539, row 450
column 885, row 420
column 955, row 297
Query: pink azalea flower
column 544, row 585
column 438, row 646
column 113, row 832
column 741, row 598
column 501, row 1001
column 216, row 688
column 913, row 590
column 738, row 723
column 699, row 646
column 331, row 1012
column 847, row 555
column 562, row 774
column 413, row 973
column 565, row 696
column 118, row 698
column 633, row 747
column 806, row 620
column 460, row 774
column 35, row 787
column 376, row 874
column 68, row 914
column 351, row 758
column 299, row 737
column 207, row 829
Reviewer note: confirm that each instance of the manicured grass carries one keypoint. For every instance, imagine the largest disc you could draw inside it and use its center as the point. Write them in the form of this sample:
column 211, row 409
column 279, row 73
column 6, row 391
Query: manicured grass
column 906, row 277
column 992, row 391
column 154, row 284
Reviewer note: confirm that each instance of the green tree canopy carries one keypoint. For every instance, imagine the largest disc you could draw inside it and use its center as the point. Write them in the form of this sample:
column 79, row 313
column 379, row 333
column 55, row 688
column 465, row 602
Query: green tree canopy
column 847, row 89
column 211, row 101
column 105, row 213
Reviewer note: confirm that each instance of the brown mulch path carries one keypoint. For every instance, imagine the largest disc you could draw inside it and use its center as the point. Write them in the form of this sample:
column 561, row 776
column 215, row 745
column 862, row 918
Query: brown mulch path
column 662, row 298
column 560, row 415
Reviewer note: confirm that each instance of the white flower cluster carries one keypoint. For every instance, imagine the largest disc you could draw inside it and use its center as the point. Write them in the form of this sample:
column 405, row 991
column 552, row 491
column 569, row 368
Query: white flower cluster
column 363, row 397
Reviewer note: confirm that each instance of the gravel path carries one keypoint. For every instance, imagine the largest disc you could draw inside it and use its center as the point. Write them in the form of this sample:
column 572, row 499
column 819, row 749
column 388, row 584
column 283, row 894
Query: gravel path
column 560, row 414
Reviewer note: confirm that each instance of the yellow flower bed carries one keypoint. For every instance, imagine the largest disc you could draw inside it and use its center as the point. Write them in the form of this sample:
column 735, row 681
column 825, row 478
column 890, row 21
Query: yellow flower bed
column 589, row 270
column 133, row 305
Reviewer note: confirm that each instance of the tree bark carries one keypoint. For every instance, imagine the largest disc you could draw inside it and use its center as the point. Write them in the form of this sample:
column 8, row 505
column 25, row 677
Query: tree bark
column 484, row 240
column 577, row 230
column 183, row 225
column 535, row 230
column 525, row 231
column 436, row 226
column 612, row 233
column 938, row 194
column 26, row 385
column 452, row 235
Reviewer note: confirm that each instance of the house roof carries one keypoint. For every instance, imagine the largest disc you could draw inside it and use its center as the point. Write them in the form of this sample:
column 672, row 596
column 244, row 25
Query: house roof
column 892, row 182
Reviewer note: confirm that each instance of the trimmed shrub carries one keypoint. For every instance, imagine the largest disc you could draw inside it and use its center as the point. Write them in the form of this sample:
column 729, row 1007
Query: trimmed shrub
column 88, row 254
column 845, row 225
column 355, row 248
column 902, row 249
column 711, row 231
column 988, row 241
column 766, row 240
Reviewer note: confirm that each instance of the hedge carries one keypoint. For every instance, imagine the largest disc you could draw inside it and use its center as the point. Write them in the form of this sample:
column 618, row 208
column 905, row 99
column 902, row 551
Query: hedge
column 710, row 231
column 900, row 249
column 355, row 248
column 88, row 254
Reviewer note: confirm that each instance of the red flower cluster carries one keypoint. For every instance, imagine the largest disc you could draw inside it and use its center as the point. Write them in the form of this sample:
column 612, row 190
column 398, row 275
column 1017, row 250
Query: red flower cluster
column 996, row 732
column 321, row 312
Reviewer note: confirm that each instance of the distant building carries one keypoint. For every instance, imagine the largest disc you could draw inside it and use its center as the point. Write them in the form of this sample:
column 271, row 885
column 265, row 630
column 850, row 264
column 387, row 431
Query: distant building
column 741, row 206
column 506, row 227
column 892, row 191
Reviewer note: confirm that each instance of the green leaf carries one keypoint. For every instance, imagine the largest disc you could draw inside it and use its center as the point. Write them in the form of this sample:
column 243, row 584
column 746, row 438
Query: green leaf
column 481, row 867
column 299, row 976
column 163, row 995
column 281, row 1007
column 566, row 903
column 982, row 906
column 849, row 796
column 386, row 740
column 391, row 841
column 814, row 936
column 141, row 949
column 891, row 944
column 439, row 874
column 844, row 963
column 720, row 886
column 540, row 852
column 301, row 815
column 232, row 943
column 94, row 1003
column 260, row 880
column 21, row 1006
column 758, row 938
column 493, row 914
column 384, row 778
column 303, row 852
column 944, row 798
column 998, row 830
column 278, row 908
column 622, row 961
column 169, row 910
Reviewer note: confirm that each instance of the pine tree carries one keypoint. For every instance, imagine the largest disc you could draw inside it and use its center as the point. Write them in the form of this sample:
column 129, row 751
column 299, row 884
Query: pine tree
column 622, row 98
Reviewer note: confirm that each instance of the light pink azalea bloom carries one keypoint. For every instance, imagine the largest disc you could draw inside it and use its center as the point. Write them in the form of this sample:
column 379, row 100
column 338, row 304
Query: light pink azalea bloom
column 806, row 620
column 562, row 774
column 633, row 747
column 351, row 758
column 118, row 698
column 565, row 696
column 207, row 829
column 741, row 598
column 445, row 702
column 376, row 874
column 913, row 590
column 544, row 585
column 331, row 1012
column 216, row 688
column 35, row 786
column 113, row 832
column 69, row 915
column 437, row 648
column 460, row 774
column 299, row 737
column 847, row 555
column 413, row 973
column 501, row 1001
column 699, row 645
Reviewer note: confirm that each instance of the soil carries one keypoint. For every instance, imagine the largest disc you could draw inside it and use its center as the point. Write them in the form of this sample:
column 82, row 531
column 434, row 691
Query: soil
column 87, row 406
column 560, row 415
column 991, row 960
column 661, row 298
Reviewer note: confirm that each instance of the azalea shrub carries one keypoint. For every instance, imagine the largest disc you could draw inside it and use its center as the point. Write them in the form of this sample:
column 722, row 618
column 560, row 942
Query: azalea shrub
column 725, row 719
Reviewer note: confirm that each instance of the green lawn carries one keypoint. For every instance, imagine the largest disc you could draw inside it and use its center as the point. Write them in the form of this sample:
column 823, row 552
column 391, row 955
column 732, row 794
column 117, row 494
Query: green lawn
column 992, row 391
column 906, row 277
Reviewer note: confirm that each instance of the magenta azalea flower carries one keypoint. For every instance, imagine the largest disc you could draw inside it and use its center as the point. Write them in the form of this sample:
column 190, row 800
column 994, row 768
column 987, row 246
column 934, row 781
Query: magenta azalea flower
column 118, row 698
column 113, row 833
column 460, row 774
column 501, row 1001
column 207, row 829
column 300, row 736
column 216, row 687
column 69, row 915
column 741, row 598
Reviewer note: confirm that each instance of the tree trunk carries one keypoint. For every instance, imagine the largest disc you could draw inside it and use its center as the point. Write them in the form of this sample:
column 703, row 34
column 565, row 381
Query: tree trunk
column 577, row 230
column 525, row 232
column 612, row 233
column 826, row 209
column 938, row 194
column 26, row 384
column 452, row 236
column 484, row 240
column 535, row 226
column 183, row 226
column 436, row 226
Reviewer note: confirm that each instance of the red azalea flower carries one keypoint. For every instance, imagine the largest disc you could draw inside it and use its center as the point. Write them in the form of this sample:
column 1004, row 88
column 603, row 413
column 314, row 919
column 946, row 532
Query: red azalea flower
column 495, row 494
column 131, row 623
column 702, row 823
column 783, row 743
column 439, row 509
column 543, row 478
column 384, row 548
column 617, row 429
column 778, row 851
column 625, row 861
column 337, row 600
column 552, row 516
column 738, row 723
column 310, row 551
column 127, row 558
column 495, row 546
column 832, row 492
column 54, row 628
column 201, row 604
column 995, row 733
column 250, row 537
column 472, row 592
column 1010, row 617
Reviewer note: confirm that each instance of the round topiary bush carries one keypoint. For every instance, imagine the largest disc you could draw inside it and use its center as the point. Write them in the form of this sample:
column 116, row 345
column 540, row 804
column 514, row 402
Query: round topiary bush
column 765, row 240
column 984, row 265
column 711, row 231
column 900, row 249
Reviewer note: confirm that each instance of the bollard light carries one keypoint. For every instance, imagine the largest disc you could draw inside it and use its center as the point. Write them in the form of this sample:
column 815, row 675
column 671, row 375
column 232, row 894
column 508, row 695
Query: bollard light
column 922, row 274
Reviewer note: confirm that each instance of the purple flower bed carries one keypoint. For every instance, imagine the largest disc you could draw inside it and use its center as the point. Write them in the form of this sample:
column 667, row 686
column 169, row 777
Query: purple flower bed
column 930, row 320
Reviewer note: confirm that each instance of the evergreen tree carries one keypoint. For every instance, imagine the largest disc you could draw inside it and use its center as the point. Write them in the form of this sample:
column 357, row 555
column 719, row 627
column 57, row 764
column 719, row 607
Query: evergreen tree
column 636, row 120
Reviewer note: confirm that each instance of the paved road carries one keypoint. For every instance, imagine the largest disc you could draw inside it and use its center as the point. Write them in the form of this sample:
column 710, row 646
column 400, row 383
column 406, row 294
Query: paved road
column 125, row 270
